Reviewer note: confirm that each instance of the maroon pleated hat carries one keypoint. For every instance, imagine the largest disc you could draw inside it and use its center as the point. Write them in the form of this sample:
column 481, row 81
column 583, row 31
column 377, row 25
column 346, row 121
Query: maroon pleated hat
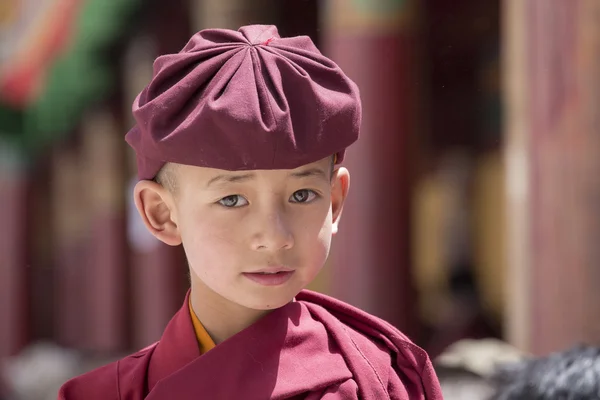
column 244, row 100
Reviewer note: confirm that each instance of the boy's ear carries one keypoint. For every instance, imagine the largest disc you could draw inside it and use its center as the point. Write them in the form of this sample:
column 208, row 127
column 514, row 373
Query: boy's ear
column 340, row 184
column 155, row 205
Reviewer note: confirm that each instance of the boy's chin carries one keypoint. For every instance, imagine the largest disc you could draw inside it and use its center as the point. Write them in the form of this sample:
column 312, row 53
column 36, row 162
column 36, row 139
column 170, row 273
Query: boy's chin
column 270, row 303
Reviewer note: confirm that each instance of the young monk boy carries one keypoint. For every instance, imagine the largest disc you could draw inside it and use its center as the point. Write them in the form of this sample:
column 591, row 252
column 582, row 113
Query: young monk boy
column 237, row 138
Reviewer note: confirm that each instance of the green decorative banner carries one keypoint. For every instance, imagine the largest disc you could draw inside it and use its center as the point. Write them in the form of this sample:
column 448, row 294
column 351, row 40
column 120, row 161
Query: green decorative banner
column 56, row 66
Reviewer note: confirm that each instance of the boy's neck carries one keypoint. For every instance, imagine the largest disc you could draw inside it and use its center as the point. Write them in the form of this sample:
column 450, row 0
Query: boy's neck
column 220, row 317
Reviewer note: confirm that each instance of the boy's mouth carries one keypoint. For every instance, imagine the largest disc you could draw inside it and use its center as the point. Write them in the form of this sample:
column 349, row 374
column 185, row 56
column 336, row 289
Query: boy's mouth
column 271, row 270
column 271, row 276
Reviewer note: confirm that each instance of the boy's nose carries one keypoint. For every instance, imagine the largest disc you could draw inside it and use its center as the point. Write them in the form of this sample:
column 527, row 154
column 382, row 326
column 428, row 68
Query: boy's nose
column 273, row 234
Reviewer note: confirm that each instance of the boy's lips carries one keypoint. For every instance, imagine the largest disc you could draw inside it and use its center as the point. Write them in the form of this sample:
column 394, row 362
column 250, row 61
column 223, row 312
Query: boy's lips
column 270, row 276
column 270, row 270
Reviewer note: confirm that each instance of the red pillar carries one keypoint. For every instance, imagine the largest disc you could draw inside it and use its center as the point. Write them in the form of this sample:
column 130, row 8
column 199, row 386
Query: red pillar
column 69, row 221
column 374, row 42
column 105, row 264
column 13, row 268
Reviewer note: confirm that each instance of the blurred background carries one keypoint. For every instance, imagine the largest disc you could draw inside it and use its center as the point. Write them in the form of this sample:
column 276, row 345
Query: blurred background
column 473, row 208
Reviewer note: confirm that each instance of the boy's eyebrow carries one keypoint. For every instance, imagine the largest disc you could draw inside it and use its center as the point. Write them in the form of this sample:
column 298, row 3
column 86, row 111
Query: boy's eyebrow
column 230, row 178
column 318, row 172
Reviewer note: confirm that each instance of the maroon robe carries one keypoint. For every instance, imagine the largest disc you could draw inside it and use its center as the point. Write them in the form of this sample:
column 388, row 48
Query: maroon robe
column 315, row 348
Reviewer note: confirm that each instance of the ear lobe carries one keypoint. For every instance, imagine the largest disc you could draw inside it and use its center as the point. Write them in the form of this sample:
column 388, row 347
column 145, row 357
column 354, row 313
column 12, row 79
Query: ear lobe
column 154, row 203
column 339, row 191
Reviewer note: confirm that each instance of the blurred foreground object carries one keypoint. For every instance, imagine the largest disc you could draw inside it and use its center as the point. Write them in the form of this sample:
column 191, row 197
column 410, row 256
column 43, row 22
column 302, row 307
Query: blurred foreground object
column 479, row 356
column 491, row 369
column 571, row 374
column 40, row 369
column 466, row 368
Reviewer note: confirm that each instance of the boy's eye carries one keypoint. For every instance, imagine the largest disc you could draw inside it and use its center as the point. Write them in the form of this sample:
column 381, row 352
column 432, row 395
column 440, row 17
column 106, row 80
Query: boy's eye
column 303, row 196
column 235, row 200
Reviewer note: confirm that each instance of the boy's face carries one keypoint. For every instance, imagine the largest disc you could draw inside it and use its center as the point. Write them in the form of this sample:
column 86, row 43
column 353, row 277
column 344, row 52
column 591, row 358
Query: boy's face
column 237, row 227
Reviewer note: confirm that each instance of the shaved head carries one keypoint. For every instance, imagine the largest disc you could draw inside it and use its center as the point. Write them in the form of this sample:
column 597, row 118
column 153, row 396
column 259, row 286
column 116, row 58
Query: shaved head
column 166, row 177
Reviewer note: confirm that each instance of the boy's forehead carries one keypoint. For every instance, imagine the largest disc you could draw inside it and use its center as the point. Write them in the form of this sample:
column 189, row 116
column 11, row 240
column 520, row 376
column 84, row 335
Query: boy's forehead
column 245, row 100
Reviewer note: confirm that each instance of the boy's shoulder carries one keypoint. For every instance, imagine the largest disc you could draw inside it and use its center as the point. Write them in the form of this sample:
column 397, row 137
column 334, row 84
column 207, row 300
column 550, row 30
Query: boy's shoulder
column 107, row 381
column 360, row 324
column 376, row 350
